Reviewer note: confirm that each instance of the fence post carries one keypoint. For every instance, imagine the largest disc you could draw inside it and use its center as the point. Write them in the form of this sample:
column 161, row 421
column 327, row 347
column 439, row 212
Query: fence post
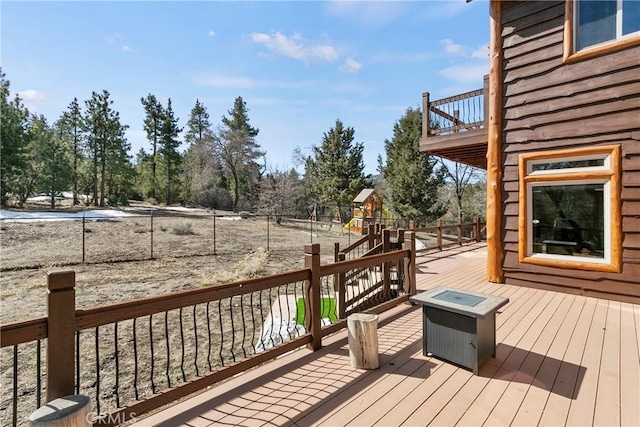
column 268, row 221
column 386, row 267
column 84, row 233
column 151, row 233
column 312, row 296
column 336, row 251
column 214, row 233
column 410, row 263
column 371, row 236
column 460, row 231
column 342, row 290
column 439, row 234
column 61, row 329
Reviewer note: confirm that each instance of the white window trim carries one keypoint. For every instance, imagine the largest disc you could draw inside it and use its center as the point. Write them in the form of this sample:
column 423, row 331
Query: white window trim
column 608, row 174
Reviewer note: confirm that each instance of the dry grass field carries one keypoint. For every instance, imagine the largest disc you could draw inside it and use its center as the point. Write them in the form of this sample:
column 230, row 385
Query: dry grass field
column 243, row 248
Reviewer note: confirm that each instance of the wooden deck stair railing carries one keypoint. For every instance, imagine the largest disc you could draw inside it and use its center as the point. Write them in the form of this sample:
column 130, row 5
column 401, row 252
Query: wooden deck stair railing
column 169, row 346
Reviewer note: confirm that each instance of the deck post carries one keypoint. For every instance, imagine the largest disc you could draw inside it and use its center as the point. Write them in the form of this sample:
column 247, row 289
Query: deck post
column 409, row 242
column 342, row 290
column 386, row 267
column 425, row 115
column 439, row 234
column 371, row 234
column 61, row 329
column 460, row 231
column 312, row 296
column 476, row 228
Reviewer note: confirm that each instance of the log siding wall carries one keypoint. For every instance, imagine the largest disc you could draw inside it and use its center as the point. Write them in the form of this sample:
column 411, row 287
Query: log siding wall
column 547, row 105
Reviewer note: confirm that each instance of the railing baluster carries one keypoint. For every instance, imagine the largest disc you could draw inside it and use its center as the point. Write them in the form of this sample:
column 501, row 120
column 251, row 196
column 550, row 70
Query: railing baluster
column 233, row 331
column 221, row 331
column 166, row 338
column 97, row 344
column 286, row 293
column 262, row 343
column 282, row 339
column 117, row 359
column 38, row 373
column 195, row 333
column 15, row 385
column 253, row 322
column 77, row 362
column 135, row 360
column 209, row 338
column 153, row 384
column 184, row 377
column 244, row 325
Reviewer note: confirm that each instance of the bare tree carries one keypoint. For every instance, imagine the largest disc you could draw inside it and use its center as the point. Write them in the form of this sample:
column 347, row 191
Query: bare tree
column 459, row 176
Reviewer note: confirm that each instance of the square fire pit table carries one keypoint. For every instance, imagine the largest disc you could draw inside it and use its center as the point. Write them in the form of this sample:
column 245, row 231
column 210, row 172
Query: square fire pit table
column 459, row 326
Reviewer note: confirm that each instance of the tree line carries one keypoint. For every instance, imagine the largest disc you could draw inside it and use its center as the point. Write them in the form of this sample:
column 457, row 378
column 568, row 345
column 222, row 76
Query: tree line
column 223, row 167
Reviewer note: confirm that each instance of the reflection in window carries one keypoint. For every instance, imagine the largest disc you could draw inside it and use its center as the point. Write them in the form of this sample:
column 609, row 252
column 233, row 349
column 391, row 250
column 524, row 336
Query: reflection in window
column 568, row 219
column 600, row 21
column 567, row 165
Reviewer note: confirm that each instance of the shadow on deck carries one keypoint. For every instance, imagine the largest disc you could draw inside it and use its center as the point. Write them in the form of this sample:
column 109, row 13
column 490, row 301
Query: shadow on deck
column 561, row 359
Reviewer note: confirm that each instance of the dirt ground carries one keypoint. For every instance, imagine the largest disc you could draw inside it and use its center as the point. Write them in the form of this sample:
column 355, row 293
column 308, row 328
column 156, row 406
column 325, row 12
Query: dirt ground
column 179, row 264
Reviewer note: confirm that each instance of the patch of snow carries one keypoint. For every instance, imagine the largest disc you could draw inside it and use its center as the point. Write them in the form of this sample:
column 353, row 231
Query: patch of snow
column 230, row 218
column 419, row 245
column 14, row 216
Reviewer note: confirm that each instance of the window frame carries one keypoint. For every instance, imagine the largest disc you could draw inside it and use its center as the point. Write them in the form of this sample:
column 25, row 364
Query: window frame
column 569, row 53
column 609, row 174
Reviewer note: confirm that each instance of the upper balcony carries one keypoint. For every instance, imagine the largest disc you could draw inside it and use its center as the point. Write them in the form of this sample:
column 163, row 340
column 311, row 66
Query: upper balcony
column 455, row 128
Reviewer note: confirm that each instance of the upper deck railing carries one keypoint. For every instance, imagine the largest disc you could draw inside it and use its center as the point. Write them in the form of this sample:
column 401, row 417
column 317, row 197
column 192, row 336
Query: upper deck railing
column 459, row 113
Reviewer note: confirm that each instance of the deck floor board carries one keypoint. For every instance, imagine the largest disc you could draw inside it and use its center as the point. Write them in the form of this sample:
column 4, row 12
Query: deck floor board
column 561, row 360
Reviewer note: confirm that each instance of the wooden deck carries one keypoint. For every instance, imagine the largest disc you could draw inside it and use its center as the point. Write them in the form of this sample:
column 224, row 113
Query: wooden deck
column 561, row 360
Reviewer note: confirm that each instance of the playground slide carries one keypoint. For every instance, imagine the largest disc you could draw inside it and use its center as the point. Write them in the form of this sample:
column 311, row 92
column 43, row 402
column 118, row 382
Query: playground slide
column 349, row 225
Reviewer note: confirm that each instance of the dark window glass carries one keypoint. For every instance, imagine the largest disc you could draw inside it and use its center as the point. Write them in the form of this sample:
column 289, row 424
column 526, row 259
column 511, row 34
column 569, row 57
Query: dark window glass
column 569, row 219
column 567, row 165
column 630, row 16
column 596, row 22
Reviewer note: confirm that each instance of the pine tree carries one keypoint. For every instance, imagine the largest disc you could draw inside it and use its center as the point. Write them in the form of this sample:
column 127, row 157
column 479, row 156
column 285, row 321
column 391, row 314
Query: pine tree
column 169, row 144
column 71, row 125
column 238, row 151
column 13, row 140
column 411, row 175
column 336, row 168
column 152, row 125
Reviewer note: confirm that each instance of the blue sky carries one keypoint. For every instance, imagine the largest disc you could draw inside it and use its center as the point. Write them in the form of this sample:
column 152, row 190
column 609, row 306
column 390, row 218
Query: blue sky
column 298, row 65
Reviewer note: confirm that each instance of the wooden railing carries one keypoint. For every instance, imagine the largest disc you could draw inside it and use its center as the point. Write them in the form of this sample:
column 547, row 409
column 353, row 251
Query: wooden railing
column 459, row 113
column 136, row 356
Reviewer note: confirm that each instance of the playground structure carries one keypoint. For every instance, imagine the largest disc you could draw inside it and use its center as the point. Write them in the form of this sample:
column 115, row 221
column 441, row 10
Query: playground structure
column 367, row 209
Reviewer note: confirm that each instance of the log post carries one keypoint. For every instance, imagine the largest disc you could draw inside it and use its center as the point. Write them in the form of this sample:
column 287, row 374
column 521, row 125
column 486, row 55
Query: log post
column 67, row 411
column 460, row 231
column 439, row 234
column 363, row 340
column 313, row 322
column 61, row 329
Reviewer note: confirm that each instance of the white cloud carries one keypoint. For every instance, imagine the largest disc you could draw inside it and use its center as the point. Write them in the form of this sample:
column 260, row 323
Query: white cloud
column 466, row 73
column 112, row 38
column 452, row 48
column 31, row 95
column 482, row 52
column 294, row 47
column 350, row 65
column 212, row 33
column 126, row 48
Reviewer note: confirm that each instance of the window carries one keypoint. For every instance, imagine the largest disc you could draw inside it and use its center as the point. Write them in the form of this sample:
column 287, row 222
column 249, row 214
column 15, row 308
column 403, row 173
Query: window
column 594, row 27
column 569, row 213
